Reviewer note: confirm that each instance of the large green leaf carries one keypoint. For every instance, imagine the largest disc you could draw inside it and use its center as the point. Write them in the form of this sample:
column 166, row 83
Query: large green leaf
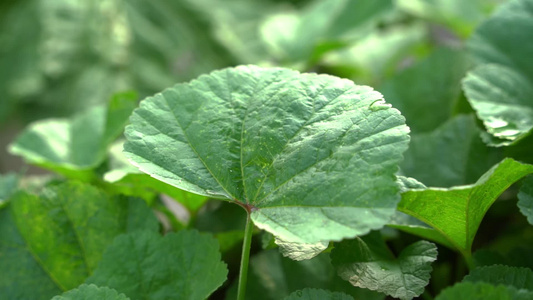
column 456, row 212
column 144, row 265
column 74, row 146
column 424, row 96
column 453, row 154
column 91, row 292
column 315, row 294
column 501, row 91
column 305, row 153
column 52, row 242
column 368, row 263
column 483, row 291
column 519, row 278
column 525, row 199
column 273, row 277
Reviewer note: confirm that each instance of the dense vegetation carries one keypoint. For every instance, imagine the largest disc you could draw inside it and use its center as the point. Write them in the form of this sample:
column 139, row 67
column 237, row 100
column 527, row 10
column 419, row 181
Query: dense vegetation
column 335, row 149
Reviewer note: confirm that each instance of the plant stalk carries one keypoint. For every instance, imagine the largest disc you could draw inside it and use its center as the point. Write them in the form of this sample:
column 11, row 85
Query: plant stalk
column 245, row 257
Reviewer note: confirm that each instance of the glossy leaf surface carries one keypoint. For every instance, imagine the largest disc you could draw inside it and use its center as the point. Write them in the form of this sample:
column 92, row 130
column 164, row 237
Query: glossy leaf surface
column 305, row 152
column 457, row 212
column 368, row 263
column 144, row 265
column 52, row 242
column 91, row 292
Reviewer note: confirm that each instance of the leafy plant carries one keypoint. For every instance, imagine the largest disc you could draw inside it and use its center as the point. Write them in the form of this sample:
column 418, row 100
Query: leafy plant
column 279, row 178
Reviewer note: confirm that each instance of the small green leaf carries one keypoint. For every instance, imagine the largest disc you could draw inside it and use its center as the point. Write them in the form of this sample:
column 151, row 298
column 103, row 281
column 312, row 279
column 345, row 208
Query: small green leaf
column 144, row 265
column 367, row 263
column 72, row 147
column 483, row 291
column 52, row 242
column 453, row 154
column 91, row 292
column 426, row 97
column 303, row 151
column 315, row 294
column 525, row 199
column 457, row 212
column 501, row 90
column 519, row 278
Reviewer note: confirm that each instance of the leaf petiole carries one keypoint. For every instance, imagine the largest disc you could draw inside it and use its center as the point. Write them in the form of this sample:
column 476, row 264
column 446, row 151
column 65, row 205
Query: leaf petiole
column 245, row 257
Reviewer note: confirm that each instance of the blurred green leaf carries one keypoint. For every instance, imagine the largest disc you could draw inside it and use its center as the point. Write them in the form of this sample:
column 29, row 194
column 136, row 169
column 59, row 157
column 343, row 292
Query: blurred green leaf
column 519, row 278
column 8, row 185
column 453, row 154
column 91, row 292
column 273, row 277
column 52, row 242
column 182, row 265
column 305, row 152
column 315, row 294
column 368, row 263
column 501, row 90
column 525, row 199
column 425, row 96
column 74, row 147
column 483, row 291
column 457, row 212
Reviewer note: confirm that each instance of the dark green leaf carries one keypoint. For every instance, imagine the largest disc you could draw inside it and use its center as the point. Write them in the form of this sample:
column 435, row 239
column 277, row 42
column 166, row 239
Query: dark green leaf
column 451, row 155
column 306, row 152
column 8, row 185
column 368, row 263
column 457, row 212
column 519, row 278
column 483, row 291
column 51, row 243
column 91, row 292
column 273, row 277
column 426, row 97
column 75, row 146
column 315, row 294
column 144, row 265
column 525, row 199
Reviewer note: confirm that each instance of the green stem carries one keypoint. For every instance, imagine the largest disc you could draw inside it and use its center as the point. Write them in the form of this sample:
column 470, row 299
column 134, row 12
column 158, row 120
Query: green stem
column 245, row 258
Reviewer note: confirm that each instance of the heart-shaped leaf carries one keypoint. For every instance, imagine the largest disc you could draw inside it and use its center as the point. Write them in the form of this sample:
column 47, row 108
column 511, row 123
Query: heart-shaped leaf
column 311, row 156
column 145, row 265
column 54, row 241
column 368, row 263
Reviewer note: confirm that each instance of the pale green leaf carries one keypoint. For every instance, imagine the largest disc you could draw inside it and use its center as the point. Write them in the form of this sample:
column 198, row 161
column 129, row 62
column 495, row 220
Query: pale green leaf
column 304, row 152
column 425, row 97
column 453, row 154
column 91, row 292
column 501, row 91
column 52, row 242
column 315, row 294
column 519, row 278
column 525, row 199
column 144, row 265
column 457, row 212
column 368, row 263
column 74, row 146
column 483, row 291
column 298, row 251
